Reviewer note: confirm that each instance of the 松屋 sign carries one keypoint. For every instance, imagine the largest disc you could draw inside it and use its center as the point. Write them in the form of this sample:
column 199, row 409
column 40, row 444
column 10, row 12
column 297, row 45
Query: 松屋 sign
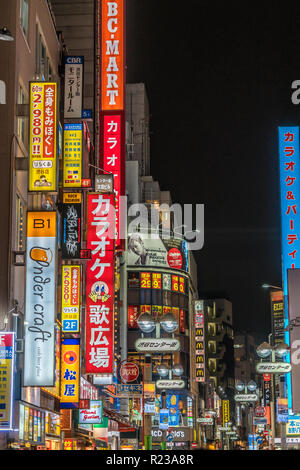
column 70, row 311
column 7, row 361
column 112, row 57
column 42, row 136
column 70, row 373
column 40, row 304
column 73, row 87
column 100, row 284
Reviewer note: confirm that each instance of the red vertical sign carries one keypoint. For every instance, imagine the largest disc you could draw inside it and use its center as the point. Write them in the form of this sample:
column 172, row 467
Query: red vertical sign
column 100, row 284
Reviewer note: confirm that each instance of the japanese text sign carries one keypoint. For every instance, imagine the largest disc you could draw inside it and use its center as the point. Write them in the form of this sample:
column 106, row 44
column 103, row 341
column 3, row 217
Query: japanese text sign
column 70, row 309
column 70, row 372
column 100, row 284
column 73, row 86
column 42, row 136
column 72, row 172
column 112, row 57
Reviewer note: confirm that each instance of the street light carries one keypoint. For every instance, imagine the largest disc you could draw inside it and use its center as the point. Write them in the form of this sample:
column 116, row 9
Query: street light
column 177, row 370
column 169, row 323
column 269, row 286
column 146, row 323
column 163, row 370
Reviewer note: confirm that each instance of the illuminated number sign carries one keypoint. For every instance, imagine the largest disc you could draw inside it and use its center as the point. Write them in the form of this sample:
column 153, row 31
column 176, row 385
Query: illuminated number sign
column 42, row 136
column 156, row 281
column 146, row 280
column 175, row 285
column 40, row 306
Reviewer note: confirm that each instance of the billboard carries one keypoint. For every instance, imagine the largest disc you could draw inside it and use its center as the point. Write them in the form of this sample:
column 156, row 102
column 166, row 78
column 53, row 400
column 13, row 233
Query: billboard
column 289, row 167
column 71, row 226
column 277, row 316
column 112, row 57
column 40, row 304
column 100, row 284
column 166, row 253
column 73, row 97
column 7, row 365
column 42, row 136
column 70, row 373
column 93, row 415
column 70, row 299
column 72, row 171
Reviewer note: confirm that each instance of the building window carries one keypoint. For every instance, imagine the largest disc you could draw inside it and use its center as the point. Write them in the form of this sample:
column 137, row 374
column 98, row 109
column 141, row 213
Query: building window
column 24, row 7
column 21, row 121
column 211, row 329
column 19, row 241
column 212, row 365
column 43, row 67
column 212, row 347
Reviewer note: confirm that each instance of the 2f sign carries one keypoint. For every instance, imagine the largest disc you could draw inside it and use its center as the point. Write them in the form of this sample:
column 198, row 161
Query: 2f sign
column 296, row 94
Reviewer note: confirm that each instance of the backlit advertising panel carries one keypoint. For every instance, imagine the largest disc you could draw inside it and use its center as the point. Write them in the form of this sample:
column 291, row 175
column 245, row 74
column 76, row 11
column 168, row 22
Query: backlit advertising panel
column 277, row 316
column 72, row 171
column 42, row 136
column 7, row 364
column 73, row 96
column 289, row 167
column 40, row 304
column 112, row 159
column 93, row 415
column 71, row 226
column 100, row 284
column 199, row 340
column 112, row 57
column 157, row 252
column 70, row 298
column 70, row 373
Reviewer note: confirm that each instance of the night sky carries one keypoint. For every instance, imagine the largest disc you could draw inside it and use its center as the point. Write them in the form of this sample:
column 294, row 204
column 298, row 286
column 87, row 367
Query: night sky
column 218, row 77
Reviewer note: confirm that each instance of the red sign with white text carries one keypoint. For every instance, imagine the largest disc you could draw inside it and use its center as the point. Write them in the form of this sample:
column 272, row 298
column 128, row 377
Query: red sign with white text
column 100, row 284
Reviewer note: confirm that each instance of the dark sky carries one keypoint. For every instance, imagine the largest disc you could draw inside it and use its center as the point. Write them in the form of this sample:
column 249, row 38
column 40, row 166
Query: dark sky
column 218, row 77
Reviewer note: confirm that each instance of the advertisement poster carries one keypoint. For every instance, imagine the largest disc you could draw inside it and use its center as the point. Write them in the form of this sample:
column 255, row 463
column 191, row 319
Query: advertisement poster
column 146, row 251
column 163, row 418
column 42, row 136
column 93, row 415
column 173, row 407
column 7, row 364
column 72, row 171
column 40, row 304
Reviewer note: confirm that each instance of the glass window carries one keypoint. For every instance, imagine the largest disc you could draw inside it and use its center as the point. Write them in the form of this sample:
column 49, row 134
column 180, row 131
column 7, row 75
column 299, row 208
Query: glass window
column 19, row 239
column 133, row 279
column 21, row 121
column 43, row 67
column 211, row 329
column 24, row 16
column 212, row 347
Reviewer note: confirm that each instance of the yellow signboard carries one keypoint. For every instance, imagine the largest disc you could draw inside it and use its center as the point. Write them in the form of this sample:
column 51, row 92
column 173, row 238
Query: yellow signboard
column 225, row 409
column 72, row 198
column 42, row 136
column 70, row 369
